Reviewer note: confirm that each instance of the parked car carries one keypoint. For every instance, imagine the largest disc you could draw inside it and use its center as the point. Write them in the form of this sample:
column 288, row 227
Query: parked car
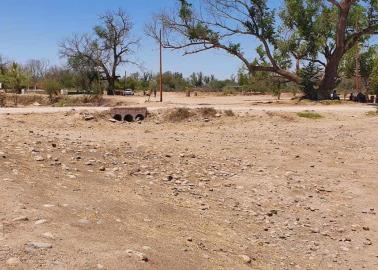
column 128, row 92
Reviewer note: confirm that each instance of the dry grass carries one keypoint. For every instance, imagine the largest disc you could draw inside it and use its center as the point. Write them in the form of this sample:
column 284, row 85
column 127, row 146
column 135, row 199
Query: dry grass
column 182, row 114
column 68, row 101
column 207, row 112
column 14, row 100
column 179, row 114
column 373, row 113
column 284, row 116
column 331, row 102
column 229, row 113
column 310, row 115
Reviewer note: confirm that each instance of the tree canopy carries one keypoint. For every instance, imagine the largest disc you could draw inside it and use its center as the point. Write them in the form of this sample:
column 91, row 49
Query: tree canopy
column 108, row 47
column 304, row 32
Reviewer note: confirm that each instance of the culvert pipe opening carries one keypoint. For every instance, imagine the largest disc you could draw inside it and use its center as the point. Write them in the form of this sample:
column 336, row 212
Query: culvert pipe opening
column 129, row 118
column 117, row 117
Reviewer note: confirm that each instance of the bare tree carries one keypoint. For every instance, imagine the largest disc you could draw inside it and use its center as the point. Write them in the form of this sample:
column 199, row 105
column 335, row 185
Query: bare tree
column 326, row 29
column 106, row 49
column 37, row 70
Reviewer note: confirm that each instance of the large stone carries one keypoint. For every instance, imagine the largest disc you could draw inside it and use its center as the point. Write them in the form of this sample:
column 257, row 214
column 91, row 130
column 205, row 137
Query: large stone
column 21, row 218
column 13, row 261
column 246, row 259
column 40, row 221
column 40, row 245
column 137, row 254
column 39, row 158
column 48, row 235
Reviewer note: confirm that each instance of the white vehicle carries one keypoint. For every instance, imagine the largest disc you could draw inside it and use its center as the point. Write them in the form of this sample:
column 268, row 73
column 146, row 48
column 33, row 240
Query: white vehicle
column 128, row 92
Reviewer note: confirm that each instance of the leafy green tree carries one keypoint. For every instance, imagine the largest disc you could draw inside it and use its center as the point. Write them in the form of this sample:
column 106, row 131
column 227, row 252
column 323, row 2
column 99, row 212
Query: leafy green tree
column 309, row 77
column 305, row 31
column 15, row 77
column 87, row 77
column 173, row 81
column 52, row 87
column 368, row 55
column 197, row 79
column 373, row 78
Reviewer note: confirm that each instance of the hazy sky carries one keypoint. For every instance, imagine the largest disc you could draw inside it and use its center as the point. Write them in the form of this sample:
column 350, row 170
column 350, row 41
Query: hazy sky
column 32, row 29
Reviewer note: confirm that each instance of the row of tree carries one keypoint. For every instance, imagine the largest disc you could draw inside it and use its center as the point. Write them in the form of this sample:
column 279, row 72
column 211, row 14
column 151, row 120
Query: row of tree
column 38, row 74
column 309, row 44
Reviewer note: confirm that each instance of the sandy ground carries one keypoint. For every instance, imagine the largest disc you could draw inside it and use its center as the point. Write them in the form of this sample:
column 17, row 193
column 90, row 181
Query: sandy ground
column 258, row 191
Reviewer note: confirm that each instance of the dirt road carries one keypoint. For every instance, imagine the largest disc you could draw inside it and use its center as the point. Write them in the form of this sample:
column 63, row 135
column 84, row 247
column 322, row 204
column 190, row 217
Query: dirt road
column 240, row 104
column 264, row 191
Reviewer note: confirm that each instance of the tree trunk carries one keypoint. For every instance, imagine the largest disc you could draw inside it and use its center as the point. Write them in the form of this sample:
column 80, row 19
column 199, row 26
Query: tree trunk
column 111, row 87
column 330, row 79
column 297, row 66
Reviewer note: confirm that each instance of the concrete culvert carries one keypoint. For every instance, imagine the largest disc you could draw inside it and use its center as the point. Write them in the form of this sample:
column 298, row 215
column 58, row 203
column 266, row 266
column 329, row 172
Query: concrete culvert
column 118, row 117
column 129, row 118
column 139, row 117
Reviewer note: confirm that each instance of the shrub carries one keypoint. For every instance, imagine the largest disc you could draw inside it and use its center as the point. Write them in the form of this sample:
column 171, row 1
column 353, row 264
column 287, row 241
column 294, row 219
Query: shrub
column 229, row 113
column 29, row 99
column 207, row 112
column 52, row 87
column 309, row 115
column 308, row 81
column 65, row 101
column 179, row 114
column 228, row 91
column 285, row 116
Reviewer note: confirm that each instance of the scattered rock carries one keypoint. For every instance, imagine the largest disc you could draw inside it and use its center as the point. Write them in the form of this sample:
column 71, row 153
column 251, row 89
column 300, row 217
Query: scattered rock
column 39, row 158
column 40, row 245
column 13, row 261
column 88, row 117
column 48, row 235
column 84, row 221
column 40, row 221
column 246, row 259
column 89, row 162
column 21, row 218
column 137, row 254
column 368, row 242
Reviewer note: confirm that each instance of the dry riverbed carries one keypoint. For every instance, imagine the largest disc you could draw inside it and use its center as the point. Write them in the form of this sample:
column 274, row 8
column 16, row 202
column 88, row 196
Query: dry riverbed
column 255, row 191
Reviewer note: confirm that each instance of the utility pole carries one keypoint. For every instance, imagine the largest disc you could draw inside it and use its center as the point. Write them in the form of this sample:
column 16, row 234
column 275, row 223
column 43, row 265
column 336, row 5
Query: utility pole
column 161, row 68
column 125, row 79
